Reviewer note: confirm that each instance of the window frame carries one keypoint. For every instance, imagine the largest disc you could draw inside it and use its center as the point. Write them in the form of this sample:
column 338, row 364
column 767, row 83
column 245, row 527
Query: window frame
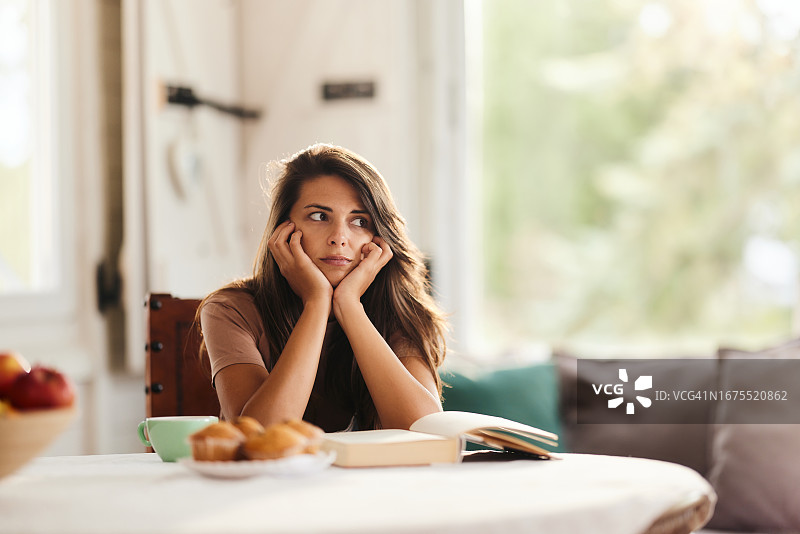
column 62, row 327
column 449, row 167
column 53, row 158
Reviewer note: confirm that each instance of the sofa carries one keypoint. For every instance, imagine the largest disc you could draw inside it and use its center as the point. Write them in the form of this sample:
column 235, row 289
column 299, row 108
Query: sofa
column 753, row 467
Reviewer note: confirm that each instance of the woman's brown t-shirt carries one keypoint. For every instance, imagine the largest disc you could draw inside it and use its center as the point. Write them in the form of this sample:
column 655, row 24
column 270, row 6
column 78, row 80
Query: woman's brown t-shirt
column 234, row 334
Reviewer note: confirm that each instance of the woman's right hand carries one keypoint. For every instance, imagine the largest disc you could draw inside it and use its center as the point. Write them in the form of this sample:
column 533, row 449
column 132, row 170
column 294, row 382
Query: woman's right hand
column 305, row 278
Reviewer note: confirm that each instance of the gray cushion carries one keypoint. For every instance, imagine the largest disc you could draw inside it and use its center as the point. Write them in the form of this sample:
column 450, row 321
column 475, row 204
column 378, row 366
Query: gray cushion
column 755, row 468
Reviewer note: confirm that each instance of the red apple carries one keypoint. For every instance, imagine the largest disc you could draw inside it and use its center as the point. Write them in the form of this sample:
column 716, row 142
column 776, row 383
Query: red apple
column 11, row 366
column 42, row 387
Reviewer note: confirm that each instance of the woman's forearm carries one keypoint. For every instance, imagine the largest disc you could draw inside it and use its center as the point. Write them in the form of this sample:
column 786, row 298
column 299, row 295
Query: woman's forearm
column 400, row 398
column 285, row 392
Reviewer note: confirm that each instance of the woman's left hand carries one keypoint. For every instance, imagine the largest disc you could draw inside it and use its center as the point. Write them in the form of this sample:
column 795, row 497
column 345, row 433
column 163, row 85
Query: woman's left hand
column 376, row 255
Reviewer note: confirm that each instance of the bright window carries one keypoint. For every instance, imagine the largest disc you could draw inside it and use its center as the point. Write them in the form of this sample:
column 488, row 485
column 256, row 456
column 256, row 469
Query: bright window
column 28, row 248
column 641, row 172
column 38, row 151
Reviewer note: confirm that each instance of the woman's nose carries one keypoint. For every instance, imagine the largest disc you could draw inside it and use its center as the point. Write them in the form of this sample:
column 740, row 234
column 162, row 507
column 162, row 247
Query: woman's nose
column 338, row 235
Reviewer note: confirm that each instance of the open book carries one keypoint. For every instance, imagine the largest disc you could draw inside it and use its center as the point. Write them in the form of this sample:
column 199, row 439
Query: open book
column 436, row 438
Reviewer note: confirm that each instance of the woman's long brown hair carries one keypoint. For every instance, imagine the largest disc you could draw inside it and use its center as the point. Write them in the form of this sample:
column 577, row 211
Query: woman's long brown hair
column 398, row 302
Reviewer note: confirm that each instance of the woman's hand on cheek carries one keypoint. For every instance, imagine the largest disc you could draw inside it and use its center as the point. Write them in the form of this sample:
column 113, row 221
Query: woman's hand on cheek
column 376, row 255
column 305, row 278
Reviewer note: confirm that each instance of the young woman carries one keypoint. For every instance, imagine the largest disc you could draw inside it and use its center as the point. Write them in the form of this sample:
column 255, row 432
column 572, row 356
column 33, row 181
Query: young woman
column 336, row 325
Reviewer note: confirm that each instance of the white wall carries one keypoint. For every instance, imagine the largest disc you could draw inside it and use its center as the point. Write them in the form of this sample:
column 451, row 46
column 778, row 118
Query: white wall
column 183, row 219
column 192, row 155
column 289, row 49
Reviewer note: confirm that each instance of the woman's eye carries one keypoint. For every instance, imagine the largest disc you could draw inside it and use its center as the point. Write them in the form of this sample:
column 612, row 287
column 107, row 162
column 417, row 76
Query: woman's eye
column 361, row 221
column 317, row 216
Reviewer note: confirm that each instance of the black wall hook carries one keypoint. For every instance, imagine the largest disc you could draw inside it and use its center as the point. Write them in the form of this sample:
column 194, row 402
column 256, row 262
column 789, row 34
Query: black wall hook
column 184, row 96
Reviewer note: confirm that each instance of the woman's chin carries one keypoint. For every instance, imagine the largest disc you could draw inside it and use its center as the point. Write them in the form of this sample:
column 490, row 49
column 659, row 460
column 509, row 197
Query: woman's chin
column 335, row 278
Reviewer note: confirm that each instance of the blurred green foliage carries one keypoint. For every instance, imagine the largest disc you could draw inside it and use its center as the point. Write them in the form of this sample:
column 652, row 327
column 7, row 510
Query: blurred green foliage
column 641, row 171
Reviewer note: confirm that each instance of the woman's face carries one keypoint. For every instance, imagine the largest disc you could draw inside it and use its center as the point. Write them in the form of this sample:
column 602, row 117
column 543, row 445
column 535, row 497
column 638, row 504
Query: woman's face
column 335, row 225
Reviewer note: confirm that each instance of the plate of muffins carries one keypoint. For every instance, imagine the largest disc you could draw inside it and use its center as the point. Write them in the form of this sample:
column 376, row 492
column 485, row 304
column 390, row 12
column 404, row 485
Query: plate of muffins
column 244, row 448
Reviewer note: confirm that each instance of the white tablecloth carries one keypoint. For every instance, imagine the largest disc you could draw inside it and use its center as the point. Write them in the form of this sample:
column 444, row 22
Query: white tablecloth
column 137, row 493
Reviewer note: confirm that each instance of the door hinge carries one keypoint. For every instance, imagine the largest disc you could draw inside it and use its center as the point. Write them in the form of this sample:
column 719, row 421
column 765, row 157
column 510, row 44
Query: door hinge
column 109, row 286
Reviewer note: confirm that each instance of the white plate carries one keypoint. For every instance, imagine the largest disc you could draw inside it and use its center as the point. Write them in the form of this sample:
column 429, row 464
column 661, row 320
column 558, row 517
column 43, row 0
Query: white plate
column 298, row 465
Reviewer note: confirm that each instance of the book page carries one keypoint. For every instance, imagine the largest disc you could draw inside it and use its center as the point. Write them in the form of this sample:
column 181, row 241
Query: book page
column 454, row 424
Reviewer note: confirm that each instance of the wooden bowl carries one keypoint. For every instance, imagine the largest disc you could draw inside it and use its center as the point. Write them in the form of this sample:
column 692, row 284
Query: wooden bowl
column 23, row 435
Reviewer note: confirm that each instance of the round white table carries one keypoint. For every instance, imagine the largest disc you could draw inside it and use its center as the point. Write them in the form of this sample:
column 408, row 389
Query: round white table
column 137, row 493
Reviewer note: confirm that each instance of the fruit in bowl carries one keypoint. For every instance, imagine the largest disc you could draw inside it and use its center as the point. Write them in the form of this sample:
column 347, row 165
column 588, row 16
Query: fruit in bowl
column 12, row 365
column 36, row 406
column 42, row 387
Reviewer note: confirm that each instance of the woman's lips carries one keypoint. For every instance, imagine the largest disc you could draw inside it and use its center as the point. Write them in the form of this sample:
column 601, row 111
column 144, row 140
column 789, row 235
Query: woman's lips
column 337, row 261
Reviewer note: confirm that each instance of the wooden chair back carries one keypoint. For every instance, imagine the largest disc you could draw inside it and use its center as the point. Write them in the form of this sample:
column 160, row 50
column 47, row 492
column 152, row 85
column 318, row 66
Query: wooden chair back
column 176, row 383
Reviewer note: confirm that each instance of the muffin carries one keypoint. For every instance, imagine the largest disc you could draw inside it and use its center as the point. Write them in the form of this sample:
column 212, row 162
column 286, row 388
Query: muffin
column 249, row 426
column 277, row 441
column 312, row 432
column 216, row 442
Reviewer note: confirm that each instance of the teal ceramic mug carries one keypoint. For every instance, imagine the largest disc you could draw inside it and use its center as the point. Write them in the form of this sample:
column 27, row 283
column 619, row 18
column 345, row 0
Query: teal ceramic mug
column 168, row 435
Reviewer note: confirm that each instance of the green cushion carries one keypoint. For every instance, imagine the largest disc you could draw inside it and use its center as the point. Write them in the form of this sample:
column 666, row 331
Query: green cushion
column 527, row 395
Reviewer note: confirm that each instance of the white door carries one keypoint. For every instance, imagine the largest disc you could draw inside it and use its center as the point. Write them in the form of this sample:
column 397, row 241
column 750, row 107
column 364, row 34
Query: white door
column 183, row 225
